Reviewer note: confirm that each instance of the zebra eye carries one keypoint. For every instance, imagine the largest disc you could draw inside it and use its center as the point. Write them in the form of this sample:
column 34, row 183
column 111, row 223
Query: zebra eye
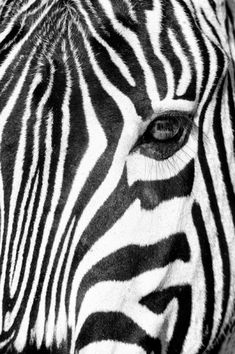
column 165, row 129
column 164, row 136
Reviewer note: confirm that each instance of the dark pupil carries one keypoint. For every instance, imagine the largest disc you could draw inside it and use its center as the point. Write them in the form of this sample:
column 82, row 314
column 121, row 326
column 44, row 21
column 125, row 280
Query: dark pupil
column 165, row 129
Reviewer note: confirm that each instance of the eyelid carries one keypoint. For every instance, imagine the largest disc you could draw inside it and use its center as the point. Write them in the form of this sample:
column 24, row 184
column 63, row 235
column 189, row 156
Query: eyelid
column 172, row 114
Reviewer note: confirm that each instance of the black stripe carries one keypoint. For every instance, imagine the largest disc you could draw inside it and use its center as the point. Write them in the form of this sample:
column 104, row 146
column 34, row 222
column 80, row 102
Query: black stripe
column 195, row 23
column 117, row 327
column 206, row 258
column 211, row 27
column 16, row 34
column 153, row 193
column 213, row 5
column 170, row 21
column 231, row 105
column 220, row 143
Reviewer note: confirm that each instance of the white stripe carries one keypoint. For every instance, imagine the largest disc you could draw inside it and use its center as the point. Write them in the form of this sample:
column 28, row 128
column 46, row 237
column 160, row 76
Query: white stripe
column 109, row 346
column 5, row 342
column 61, row 325
column 192, row 41
column 154, row 28
column 186, row 76
column 131, row 10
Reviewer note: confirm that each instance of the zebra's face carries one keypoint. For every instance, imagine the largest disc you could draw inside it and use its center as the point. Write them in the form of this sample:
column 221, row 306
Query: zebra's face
column 116, row 211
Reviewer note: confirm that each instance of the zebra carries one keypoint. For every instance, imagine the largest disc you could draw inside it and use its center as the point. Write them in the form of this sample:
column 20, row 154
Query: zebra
column 117, row 187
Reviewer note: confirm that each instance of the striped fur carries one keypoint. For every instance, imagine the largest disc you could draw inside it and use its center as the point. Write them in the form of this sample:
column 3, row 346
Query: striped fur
column 106, row 246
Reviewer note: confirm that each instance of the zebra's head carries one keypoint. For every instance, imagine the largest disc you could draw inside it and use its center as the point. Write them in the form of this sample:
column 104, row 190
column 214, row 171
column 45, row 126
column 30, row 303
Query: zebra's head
column 116, row 175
